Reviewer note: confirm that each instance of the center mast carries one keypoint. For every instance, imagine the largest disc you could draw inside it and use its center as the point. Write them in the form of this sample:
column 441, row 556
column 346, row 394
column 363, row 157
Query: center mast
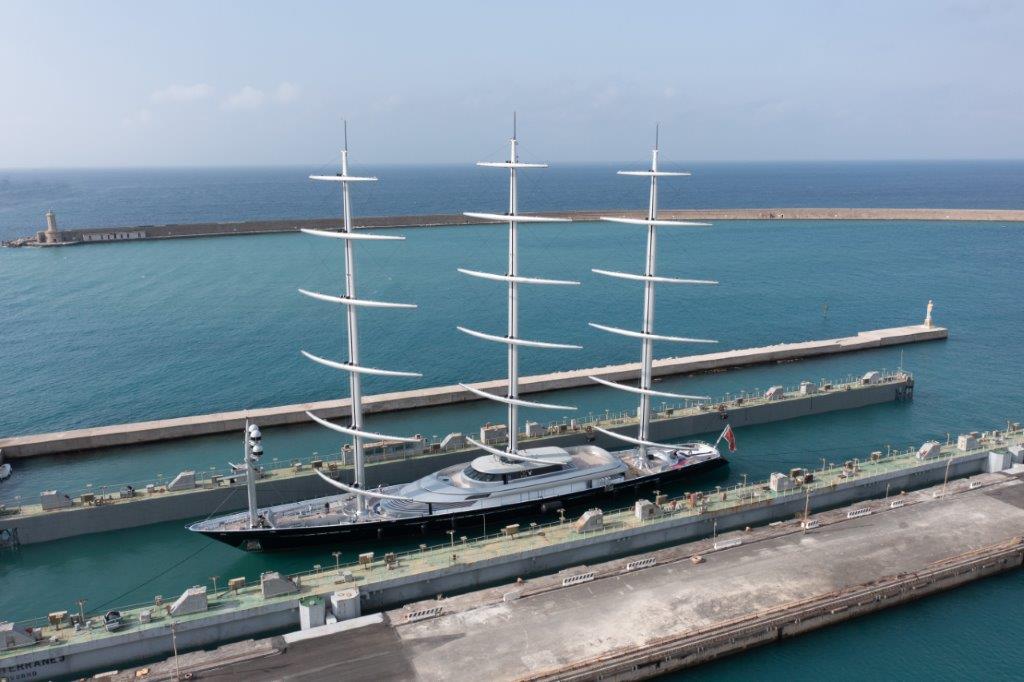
column 513, row 279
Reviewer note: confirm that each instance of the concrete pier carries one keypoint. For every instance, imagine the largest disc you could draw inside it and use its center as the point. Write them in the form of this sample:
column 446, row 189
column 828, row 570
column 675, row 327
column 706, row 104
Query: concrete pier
column 87, row 512
column 200, row 425
column 106, row 235
column 632, row 625
column 728, row 589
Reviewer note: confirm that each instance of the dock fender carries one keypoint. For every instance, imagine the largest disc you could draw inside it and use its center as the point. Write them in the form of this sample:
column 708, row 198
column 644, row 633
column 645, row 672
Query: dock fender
column 551, row 506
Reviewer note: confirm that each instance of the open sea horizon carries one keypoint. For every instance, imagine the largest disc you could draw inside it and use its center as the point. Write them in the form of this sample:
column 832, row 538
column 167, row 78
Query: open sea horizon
column 123, row 197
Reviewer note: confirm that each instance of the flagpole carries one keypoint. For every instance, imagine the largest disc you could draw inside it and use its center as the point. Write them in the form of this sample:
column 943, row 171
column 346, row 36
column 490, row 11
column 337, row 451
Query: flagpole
column 722, row 434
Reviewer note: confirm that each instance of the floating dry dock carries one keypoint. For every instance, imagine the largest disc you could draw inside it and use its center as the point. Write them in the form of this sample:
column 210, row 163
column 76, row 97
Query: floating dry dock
column 183, row 427
column 687, row 604
column 190, row 495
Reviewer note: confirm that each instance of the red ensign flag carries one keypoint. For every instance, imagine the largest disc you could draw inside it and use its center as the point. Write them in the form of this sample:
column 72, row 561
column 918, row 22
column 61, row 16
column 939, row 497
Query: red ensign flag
column 729, row 437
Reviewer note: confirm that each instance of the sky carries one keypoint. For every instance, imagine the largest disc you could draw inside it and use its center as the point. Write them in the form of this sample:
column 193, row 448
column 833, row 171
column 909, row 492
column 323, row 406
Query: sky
column 186, row 83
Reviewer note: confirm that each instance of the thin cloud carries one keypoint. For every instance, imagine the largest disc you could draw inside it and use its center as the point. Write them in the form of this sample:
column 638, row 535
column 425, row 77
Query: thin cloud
column 246, row 98
column 182, row 93
column 286, row 92
column 138, row 119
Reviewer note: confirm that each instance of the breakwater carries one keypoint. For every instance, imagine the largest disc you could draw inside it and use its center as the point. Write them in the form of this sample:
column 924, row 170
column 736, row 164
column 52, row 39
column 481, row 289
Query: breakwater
column 100, row 235
column 183, row 427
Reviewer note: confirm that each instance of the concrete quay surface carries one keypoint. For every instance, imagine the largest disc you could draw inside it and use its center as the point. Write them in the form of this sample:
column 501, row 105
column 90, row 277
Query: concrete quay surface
column 101, row 235
column 622, row 624
column 182, row 427
column 31, row 524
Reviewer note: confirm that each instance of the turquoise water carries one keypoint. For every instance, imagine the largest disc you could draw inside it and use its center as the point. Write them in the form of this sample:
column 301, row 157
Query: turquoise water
column 972, row 633
column 148, row 330
column 94, row 335
column 130, row 331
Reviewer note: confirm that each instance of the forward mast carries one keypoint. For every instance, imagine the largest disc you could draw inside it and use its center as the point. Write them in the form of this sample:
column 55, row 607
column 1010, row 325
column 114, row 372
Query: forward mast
column 353, row 366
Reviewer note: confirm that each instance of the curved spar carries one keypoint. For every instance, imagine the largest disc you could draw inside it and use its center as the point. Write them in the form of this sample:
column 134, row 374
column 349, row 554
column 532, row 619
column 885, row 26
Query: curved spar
column 516, row 341
column 359, row 491
column 517, row 279
column 654, row 222
column 344, row 178
column 359, row 302
column 509, row 455
column 633, row 441
column 651, row 278
column 647, row 336
column 348, row 431
column 655, row 173
column 515, row 401
column 359, row 369
column 647, row 391
column 515, row 218
column 352, row 236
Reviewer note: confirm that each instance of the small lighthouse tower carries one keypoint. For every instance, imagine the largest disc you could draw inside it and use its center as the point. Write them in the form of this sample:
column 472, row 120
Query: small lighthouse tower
column 52, row 234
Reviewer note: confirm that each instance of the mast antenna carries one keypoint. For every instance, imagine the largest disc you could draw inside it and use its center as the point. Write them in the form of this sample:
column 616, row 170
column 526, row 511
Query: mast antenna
column 514, row 126
column 344, row 123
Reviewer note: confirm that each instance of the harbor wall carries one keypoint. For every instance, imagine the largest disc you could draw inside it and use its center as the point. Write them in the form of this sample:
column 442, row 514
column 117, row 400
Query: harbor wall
column 783, row 623
column 44, row 526
column 183, row 427
column 106, row 235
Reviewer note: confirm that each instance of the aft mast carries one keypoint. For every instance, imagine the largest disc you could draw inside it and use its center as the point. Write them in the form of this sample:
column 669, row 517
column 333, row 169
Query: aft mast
column 646, row 334
column 352, row 303
column 513, row 280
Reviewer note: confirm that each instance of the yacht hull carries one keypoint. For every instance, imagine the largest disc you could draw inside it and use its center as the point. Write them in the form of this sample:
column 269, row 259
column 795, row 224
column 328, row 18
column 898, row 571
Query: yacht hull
column 624, row 493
